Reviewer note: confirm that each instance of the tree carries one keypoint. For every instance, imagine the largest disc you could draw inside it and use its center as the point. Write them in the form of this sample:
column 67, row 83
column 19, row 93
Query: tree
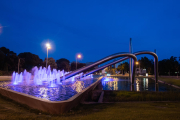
column 12, row 62
column 2, row 60
column 51, row 62
column 63, row 64
column 110, row 70
column 9, row 60
column 123, row 67
column 162, row 67
column 5, row 50
column 79, row 65
column 30, row 60
column 168, row 66
column 147, row 64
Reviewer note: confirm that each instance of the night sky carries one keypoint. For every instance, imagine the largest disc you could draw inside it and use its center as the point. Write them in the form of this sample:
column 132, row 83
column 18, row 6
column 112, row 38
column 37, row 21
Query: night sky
column 92, row 27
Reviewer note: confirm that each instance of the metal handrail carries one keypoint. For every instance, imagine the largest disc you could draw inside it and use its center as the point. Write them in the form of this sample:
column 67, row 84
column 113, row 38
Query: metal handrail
column 102, row 61
column 137, row 53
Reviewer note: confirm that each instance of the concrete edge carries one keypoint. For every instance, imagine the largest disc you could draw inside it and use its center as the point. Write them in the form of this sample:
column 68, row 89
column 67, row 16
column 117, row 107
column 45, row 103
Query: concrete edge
column 92, row 85
column 175, row 86
column 128, row 76
column 101, row 97
column 53, row 107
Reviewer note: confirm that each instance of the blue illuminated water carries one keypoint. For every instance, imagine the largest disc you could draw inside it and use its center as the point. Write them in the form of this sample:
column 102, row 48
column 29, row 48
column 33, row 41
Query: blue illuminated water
column 140, row 84
column 58, row 93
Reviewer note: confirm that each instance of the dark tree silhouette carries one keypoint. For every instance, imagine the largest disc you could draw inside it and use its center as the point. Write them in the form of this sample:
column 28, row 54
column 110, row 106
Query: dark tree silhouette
column 2, row 60
column 51, row 62
column 123, row 67
column 9, row 60
column 147, row 64
column 30, row 60
column 79, row 65
column 169, row 66
column 63, row 64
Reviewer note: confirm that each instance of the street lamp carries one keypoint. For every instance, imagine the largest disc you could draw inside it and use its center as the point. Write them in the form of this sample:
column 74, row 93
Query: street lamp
column 18, row 65
column 78, row 56
column 138, row 63
column 48, row 47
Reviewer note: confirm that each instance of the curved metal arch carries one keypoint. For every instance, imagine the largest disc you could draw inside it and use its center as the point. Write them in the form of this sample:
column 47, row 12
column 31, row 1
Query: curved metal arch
column 133, row 73
column 112, row 63
column 102, row 61
column 155, row 62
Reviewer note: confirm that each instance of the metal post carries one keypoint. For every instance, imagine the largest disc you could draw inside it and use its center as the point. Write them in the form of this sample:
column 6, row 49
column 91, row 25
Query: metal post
column 133, row 72
column 76, row 63
column 47, row 58
column 132, row 87
column 18, row 65
column 156, row 67
column 130, row 51
column 156, row 87
column 155, row 62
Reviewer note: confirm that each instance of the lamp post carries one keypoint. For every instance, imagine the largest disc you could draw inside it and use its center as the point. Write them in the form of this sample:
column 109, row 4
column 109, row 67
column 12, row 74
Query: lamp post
column 78, row 56
column 138, row 63
column 18, row 65
column 48, row 47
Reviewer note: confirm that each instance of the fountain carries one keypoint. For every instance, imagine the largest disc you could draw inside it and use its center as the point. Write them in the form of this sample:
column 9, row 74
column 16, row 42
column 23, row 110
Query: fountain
column 43, row 76
column 48, row 90
column 46, row 83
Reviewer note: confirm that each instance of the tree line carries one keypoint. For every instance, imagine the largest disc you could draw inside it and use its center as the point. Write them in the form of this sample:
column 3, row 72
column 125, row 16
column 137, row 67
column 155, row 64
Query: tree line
column 165, row 67
column 9, row 61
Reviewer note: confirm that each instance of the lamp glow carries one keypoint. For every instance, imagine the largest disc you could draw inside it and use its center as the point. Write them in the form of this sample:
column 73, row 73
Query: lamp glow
column 48, row 46
column 79, row 56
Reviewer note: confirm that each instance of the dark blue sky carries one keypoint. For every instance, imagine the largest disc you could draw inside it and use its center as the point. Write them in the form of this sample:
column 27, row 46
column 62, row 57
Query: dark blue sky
column 94, row 28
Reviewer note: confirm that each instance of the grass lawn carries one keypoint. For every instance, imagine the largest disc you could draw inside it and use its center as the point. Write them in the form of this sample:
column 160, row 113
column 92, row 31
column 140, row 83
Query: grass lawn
column 113, row 111
column 121, row 96
column 170, row 80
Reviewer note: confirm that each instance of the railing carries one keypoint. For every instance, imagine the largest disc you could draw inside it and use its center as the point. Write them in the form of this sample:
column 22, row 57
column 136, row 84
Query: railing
column 128, row 55
column 137, row 53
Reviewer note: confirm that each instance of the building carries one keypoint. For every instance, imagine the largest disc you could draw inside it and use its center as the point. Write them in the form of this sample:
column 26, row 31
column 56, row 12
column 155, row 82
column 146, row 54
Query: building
column 140, row 71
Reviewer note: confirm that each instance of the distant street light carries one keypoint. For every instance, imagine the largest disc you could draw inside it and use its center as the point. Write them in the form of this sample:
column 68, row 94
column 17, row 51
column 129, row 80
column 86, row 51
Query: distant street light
column 138, row 63
column 78, row 56
column 48, row 47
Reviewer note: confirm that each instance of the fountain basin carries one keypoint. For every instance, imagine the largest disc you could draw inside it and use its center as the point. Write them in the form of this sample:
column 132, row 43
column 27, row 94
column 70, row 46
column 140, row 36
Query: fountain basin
column 53, row 107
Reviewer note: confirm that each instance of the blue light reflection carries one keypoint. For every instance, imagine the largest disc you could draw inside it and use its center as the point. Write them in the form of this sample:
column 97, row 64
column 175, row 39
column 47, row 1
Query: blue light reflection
column 54, row 92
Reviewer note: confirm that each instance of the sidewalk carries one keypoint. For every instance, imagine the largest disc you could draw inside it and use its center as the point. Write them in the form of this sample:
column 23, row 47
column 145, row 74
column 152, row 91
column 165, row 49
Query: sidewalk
column 127, row 75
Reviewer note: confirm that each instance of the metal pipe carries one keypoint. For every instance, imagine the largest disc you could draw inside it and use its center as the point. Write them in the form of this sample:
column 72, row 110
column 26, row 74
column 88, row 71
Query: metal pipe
column 155, row 62
column 47, row 58
column 137, row 53
column 111, row 57
column 117, row 61
column 130, row 64
column 102, row 61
